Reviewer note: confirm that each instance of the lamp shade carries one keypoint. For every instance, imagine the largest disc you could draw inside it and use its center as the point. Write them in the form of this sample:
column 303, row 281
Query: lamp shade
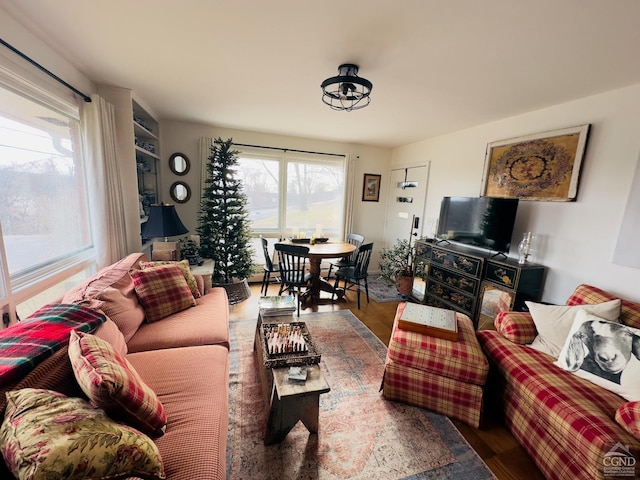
column 163, row 222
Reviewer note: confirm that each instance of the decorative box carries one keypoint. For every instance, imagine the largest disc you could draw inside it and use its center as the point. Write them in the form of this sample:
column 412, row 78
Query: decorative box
column 288, row 357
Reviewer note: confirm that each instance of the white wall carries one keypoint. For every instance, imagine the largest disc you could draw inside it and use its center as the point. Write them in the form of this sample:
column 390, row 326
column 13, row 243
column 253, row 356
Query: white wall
column 368, row 217
column 576, row 239
column 23, row 40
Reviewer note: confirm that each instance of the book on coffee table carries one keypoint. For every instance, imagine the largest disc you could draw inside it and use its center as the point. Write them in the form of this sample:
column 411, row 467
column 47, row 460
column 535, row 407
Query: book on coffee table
column 298, row 373
column 276, row 305
column 432, row 321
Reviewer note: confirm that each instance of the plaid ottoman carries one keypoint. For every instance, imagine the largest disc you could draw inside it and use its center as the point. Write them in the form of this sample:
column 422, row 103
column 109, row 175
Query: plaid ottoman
column 440, row 375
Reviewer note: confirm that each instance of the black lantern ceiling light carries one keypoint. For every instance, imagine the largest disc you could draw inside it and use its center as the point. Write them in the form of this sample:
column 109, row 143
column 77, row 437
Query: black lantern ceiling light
column 347, row 91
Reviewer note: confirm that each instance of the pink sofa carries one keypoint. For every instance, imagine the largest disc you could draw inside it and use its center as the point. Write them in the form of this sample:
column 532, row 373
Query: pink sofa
column 570, row 427
column 183, row 358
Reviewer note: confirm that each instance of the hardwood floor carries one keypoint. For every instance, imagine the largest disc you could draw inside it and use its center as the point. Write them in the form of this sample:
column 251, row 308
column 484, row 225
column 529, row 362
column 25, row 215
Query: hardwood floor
column 493, row 442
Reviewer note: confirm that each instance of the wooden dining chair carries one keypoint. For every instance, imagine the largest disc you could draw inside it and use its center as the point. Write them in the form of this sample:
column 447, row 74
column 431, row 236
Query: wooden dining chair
column 349, row 261
column 353, row 275
column 292, row 263
column 268, row 266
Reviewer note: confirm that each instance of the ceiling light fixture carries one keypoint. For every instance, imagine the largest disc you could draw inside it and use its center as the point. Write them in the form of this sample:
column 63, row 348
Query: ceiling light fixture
column 347, row 91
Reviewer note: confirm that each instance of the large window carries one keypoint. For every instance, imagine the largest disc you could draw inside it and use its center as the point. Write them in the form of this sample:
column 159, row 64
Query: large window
column 43, row 196
column 261, row 179
column 292, row 190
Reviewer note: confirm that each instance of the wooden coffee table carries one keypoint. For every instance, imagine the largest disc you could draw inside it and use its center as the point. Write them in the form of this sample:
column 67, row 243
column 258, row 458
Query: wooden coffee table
column 292, row 401
column 288, row 401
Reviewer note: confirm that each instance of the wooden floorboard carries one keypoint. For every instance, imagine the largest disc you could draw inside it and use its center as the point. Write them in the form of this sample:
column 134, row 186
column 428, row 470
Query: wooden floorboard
column 493, row 442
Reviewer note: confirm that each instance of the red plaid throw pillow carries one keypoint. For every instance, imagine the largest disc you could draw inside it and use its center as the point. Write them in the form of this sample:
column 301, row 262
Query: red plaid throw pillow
column 111, row 383
column 186, row 273
column 162, row 290
column 628, row 416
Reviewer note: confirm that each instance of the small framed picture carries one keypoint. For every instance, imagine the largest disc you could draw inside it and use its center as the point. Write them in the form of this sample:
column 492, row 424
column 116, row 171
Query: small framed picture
column 371, row 187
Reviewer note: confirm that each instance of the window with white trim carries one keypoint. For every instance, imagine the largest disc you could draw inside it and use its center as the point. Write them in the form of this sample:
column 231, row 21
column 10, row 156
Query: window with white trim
column 293, row 191
column 43, row 195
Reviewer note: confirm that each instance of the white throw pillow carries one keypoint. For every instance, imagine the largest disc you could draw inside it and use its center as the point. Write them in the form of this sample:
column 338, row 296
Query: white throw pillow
column 605, row 353
column 553, row 322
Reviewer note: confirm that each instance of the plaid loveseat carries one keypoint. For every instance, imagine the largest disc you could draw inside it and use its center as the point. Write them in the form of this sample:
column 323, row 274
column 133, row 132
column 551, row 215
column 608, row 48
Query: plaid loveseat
column 571, row 427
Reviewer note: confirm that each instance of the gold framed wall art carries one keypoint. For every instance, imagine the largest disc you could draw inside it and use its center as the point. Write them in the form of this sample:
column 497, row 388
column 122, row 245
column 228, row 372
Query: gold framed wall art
column 541, row 167
column 371, row 187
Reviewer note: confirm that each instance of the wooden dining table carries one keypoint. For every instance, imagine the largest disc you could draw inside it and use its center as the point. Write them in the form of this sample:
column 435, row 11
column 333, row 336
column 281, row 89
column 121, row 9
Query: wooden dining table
column 317, row 253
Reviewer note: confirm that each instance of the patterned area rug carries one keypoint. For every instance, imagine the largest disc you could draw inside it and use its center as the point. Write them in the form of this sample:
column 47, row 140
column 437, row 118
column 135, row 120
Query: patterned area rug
column 381, row 291
column 362, row 435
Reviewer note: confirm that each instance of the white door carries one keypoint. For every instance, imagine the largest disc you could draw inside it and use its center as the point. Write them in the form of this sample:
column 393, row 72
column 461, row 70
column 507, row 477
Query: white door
column 406, row 205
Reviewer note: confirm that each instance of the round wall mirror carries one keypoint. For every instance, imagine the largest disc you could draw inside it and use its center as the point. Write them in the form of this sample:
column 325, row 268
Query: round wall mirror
column 180, row 192
column 179, row 163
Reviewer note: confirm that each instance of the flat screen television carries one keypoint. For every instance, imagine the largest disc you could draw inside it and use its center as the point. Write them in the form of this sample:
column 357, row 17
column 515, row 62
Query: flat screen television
column 484, row 222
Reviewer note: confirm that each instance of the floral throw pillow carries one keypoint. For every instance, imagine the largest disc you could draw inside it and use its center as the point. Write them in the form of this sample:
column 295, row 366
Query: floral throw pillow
column 46, row 435
column 186, row 273
column 110, row 382
column 162, row 291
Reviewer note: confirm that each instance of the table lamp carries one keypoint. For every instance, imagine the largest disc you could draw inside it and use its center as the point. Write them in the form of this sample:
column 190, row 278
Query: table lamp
column 164, row 222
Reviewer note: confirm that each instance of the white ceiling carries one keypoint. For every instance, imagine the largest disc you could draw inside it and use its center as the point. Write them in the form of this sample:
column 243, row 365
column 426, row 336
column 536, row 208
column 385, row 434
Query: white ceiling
column 437, row 66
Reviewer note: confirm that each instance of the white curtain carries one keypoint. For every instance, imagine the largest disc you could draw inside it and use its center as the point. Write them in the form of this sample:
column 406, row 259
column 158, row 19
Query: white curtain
column 105, row 190
column 349, row 182
column 205, row 145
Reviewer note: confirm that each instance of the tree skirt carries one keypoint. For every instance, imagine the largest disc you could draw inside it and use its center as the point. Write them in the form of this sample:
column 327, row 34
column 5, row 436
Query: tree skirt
column 236, row 292
column 361, row 436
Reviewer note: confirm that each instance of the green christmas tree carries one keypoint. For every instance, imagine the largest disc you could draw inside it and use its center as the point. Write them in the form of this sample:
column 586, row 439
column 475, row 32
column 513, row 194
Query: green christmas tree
column 224, row 230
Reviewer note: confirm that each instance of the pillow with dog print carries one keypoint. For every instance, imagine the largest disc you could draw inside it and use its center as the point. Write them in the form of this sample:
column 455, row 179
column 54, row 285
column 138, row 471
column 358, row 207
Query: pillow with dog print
column 605, row 353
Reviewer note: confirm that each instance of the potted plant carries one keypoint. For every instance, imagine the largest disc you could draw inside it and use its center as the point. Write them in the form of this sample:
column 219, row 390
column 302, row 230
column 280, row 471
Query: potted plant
column 396, row 265
column 224, row 228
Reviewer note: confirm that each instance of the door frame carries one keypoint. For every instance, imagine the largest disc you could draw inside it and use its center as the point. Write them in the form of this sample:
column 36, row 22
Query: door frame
column 417, row 232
